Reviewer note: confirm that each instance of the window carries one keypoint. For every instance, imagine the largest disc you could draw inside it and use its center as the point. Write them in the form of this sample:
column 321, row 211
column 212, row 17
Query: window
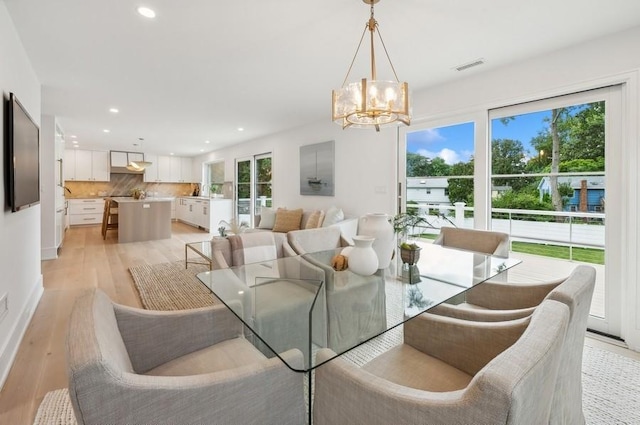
column 253, row 186
column 215, row 177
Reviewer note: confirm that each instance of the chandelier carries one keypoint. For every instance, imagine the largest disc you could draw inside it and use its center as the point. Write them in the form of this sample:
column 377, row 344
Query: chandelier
column 371, row 103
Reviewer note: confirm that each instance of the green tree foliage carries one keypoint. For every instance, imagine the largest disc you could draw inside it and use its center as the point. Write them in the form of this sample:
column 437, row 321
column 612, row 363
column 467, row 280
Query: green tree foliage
column 461, row 190
column 522, row 200
column 508, row 157
column 421, row 166
column 585, row 132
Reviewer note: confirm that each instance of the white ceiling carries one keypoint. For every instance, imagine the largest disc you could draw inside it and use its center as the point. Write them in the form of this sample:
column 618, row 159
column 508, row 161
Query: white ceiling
column 203, row 68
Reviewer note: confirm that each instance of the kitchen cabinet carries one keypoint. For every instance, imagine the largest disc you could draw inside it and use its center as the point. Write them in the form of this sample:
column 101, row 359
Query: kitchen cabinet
column 84, row 165
column 168, row 169
column 122, row 159
column 85, row 211
column 193, row 211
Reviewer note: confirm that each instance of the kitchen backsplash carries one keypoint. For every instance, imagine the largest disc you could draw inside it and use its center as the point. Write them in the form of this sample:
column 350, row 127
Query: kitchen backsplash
column 121, row 185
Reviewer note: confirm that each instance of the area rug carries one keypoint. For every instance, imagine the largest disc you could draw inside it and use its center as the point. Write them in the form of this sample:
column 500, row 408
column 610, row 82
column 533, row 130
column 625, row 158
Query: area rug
column 169, row 286
column 610, row 389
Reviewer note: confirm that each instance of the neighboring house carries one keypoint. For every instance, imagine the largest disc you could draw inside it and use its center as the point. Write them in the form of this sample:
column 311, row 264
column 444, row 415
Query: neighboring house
column 588, row 192
column 428, row 190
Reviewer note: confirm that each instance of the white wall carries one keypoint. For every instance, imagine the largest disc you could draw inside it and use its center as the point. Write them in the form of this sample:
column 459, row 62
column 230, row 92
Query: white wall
column 365, row 160
column 20, row 273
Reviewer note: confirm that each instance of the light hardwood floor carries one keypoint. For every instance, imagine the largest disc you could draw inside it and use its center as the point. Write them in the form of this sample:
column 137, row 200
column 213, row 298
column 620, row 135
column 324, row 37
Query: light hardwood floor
column 86, row 261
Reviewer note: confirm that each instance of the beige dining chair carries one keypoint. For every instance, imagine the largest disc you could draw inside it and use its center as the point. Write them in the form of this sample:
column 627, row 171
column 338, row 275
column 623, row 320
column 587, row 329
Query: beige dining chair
column 450, row 371
column 496, row 301
column 484, row 241
column 132, row 366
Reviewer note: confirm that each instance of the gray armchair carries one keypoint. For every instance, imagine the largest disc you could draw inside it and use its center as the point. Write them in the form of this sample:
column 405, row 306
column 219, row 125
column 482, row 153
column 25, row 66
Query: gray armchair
column 127, row 365
column 492, row 302
column 450, row 371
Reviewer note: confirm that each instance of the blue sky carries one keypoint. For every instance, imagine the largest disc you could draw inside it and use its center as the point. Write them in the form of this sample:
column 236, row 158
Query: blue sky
column 455, row 143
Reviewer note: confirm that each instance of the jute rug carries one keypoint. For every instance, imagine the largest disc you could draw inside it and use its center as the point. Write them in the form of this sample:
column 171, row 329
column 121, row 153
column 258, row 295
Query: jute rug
column 610, row 381
column 169, row 286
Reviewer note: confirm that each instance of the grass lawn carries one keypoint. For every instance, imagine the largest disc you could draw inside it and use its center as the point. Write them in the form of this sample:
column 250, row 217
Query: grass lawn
column 587, row 255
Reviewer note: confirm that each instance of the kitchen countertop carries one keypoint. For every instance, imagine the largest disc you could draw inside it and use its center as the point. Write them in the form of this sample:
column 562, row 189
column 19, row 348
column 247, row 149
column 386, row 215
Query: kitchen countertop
column 123, row 200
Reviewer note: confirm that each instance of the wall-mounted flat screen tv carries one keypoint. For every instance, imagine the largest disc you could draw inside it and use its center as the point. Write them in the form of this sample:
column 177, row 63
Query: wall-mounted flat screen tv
column 23, row 157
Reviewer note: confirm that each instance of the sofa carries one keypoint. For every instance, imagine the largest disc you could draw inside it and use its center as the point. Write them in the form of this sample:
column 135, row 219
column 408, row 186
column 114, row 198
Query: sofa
column 282, row 220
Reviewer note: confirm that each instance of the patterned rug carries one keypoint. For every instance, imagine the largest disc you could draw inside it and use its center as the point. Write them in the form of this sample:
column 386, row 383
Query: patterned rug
column 610, row 392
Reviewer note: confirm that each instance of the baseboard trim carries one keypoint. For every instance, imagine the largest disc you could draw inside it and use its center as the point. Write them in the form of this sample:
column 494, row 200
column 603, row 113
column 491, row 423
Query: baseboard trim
column 10, row 350
column 49, row 253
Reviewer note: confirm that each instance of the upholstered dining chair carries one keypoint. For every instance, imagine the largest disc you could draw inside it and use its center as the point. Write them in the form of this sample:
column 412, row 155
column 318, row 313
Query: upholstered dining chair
column 484, row 241
column 248, row 247
column 127, row 365
column 494, row 301
column 450, row 371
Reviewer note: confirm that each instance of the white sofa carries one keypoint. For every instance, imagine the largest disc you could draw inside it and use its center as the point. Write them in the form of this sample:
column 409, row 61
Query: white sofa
column 347, row 225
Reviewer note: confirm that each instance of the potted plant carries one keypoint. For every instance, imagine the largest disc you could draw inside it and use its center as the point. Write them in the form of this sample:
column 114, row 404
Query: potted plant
column 215, row 189
column 405, row 225
column 233, row 226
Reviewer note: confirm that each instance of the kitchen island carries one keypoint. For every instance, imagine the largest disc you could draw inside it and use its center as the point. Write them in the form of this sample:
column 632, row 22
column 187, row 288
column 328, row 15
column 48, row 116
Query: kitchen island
column 143, row 219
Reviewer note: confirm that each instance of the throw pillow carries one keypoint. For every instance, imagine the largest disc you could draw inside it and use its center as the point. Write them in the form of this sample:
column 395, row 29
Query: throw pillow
column 267, row 218
column 287, row 220
column 315, row 220
column 332, row 216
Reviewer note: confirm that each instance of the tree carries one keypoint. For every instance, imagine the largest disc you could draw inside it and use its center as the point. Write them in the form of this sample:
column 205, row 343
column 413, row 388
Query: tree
column 556, row 199
column 508, row 157
column 461, row 190
column 586, row 133
column 422, row 166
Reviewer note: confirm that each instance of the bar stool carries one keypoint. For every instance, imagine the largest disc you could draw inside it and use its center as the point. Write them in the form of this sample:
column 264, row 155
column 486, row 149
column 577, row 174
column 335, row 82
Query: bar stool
column 109, row 217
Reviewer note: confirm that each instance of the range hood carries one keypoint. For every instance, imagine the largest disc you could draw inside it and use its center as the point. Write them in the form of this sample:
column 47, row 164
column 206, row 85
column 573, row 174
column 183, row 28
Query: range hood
column 120, row 160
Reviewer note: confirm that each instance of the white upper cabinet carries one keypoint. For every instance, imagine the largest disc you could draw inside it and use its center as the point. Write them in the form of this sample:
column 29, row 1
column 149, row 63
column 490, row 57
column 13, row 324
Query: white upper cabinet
column 168, row 169
column 83, row 165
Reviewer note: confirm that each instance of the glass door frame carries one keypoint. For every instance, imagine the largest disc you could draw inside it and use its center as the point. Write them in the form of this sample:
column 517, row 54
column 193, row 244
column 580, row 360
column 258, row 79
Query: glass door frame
column 611, row 324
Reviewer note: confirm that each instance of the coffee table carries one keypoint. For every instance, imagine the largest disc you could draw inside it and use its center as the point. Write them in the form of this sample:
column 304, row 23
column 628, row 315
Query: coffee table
column 288, row 303
column 203, row 249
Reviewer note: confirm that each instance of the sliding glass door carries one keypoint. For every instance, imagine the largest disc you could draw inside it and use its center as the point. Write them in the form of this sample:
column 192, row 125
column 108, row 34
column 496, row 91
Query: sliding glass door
column 556, row 180
column 253, row 186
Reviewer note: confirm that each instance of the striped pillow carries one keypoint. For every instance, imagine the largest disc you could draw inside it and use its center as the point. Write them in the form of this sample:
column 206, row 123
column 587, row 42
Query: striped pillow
column 252, row 247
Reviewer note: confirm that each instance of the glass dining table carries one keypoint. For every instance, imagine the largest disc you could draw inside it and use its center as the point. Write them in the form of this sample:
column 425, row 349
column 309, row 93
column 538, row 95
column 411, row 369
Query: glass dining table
column 302, row 302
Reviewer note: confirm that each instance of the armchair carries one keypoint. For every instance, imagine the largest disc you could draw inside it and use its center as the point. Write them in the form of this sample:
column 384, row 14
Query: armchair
column 450, row 371
column 499, row 301
column 127, row 365
column 494, row 243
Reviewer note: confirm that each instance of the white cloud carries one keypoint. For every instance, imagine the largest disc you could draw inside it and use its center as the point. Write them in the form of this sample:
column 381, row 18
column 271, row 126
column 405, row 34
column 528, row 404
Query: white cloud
column 450, row 156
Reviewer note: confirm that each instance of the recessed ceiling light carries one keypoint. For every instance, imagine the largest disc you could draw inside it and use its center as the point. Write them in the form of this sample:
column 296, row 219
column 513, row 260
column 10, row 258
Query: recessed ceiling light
column 75, row 142
column 106, row 130
column 240, row 129
column 171, row 153
column 146, row 12
column 201, row 150
column 114, row 110
column 207, row 141
column 73, row 136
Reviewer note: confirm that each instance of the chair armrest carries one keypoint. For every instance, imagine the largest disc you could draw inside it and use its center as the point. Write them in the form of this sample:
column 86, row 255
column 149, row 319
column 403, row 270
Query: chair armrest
column 287, row 250
column 479, row 315
column 156, row 337
column 344, row 391
column 509, row 296
column 465, row 345
column 219, row 262
column 267, row 390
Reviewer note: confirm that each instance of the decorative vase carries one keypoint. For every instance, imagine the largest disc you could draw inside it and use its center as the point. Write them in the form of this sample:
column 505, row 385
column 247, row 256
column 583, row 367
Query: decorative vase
column 377, row 226
column 363, row 259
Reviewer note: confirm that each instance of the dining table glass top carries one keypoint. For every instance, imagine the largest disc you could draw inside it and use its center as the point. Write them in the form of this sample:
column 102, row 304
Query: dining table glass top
column 302, row 303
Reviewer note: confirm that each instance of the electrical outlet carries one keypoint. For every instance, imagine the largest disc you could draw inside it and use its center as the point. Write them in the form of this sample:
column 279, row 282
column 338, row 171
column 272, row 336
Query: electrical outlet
column 4, row 306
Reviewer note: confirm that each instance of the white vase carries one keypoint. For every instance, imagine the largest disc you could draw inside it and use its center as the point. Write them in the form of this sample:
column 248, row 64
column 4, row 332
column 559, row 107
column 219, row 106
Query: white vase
column 362, row 258
column 377, row 226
